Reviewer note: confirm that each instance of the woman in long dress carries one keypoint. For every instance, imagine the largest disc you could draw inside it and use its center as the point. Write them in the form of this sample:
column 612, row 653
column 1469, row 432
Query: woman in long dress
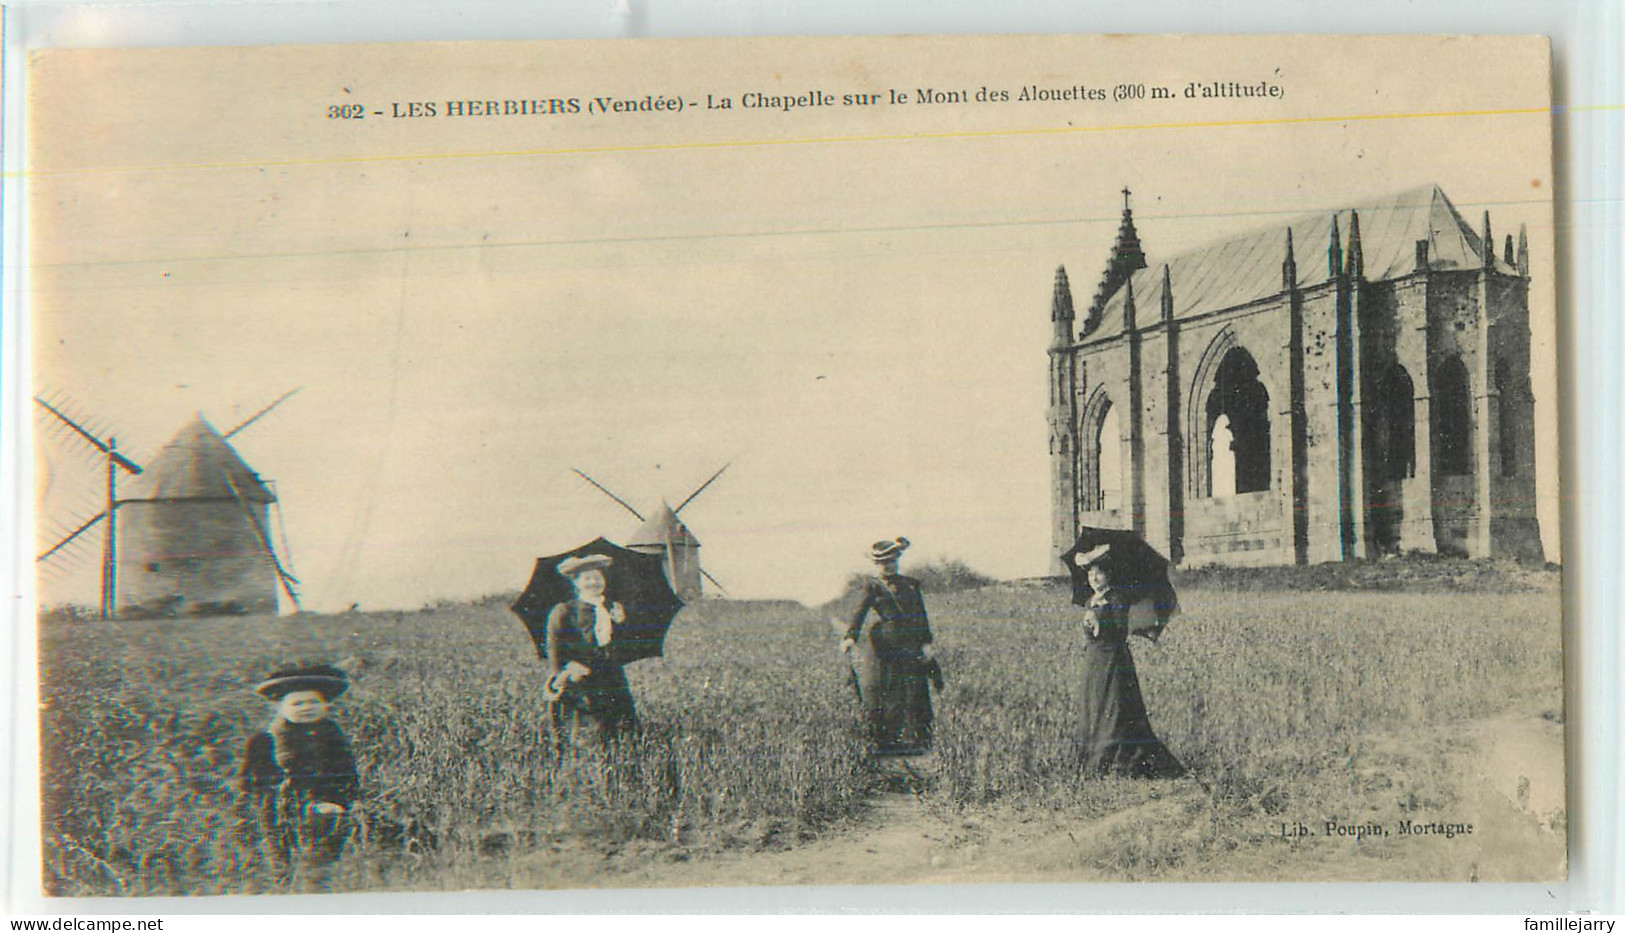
column 589, row 701
column 892, row 664
column 1117, row 736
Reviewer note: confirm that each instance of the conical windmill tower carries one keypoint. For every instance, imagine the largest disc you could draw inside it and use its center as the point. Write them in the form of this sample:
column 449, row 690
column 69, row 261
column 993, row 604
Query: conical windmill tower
column 665, row 535
column 190, row 535
column 193, row 536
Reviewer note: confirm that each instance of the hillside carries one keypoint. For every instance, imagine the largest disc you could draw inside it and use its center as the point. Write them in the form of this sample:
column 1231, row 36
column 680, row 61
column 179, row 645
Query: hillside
column 1286, row 705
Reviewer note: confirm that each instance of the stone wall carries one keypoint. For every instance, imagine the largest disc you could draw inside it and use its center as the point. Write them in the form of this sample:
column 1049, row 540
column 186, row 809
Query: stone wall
column 1321, row 371
column 1247, row 529
column 192, row 557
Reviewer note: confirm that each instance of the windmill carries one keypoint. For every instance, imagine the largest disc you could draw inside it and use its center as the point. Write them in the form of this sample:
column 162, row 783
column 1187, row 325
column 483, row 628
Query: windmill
column 663, row 533
column 191, row 535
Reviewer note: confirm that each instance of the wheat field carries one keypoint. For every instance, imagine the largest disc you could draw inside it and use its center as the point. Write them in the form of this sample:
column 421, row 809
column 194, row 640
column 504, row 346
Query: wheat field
column 1274, row 698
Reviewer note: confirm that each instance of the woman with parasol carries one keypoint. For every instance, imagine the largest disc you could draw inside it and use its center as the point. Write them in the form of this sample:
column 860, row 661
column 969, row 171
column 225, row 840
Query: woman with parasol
column 590, row 612
column 588, row 696
column 1117, row 736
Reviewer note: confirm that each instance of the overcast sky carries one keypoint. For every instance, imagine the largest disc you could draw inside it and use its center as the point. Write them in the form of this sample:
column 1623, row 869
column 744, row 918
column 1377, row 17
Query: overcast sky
column 856, row 321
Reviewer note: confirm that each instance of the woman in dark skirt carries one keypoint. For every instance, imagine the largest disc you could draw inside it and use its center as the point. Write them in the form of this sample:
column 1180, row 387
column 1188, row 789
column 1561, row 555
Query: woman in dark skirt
column 1117, row 736
column 589, row 700
column 892, row 665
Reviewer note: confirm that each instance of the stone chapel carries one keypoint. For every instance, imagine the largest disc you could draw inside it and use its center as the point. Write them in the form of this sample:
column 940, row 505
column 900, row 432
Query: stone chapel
column 1344, row 386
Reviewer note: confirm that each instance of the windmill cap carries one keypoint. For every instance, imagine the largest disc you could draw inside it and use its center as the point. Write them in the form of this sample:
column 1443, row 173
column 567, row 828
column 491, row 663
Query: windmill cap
column 570, row 566
column 198, row 463
column 661, row 529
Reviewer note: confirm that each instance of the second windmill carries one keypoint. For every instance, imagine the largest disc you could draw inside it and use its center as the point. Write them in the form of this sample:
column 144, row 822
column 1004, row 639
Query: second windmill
column 663, row 533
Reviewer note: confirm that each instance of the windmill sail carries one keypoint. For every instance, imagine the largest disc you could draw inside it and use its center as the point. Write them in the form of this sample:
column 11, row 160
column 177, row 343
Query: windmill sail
column 262, row 412
column 714, row 581
column 287, row 579
column 70, row 538
column 282, row 530
column 115, row 463
column 108, row 447
column 696, row 493
column 605, row 490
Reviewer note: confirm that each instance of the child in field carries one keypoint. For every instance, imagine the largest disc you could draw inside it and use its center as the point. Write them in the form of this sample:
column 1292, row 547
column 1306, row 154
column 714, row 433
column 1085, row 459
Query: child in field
column 298, row 780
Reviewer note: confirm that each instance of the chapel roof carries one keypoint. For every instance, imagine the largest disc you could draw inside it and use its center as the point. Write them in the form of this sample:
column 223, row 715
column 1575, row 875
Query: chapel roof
column 1244, row 268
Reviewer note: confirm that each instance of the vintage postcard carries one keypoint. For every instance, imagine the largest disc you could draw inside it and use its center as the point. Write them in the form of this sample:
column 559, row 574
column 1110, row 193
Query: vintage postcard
column 796, row 461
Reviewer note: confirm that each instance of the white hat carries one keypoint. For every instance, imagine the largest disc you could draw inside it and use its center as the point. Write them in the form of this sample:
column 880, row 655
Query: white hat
column 1091, row 556
column 570, row 566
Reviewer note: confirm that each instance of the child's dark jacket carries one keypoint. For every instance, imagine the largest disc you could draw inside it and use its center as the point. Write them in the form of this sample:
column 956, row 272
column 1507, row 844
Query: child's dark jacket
column 310, row 762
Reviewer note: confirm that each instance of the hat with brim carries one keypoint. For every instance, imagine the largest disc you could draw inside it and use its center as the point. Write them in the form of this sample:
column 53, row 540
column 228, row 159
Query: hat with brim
column 570, row 566
column 882, row 551
column 1092, row 556
column 330, row 682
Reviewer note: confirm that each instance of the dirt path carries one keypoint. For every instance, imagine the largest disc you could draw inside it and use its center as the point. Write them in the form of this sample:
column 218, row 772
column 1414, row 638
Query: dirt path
column 1508, row 780
column 1516, row 783
column 906, row 838
column 902, row 840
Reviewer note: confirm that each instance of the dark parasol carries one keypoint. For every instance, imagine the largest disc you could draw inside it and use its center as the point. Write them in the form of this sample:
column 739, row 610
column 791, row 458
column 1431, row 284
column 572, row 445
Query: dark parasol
column 1136, row 566
column 636, row 581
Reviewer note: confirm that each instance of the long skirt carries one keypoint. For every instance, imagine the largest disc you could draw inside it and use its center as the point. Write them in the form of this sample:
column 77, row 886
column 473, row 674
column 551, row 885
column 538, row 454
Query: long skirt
column 1117, row 736
column 594, row 710
column 893, row 684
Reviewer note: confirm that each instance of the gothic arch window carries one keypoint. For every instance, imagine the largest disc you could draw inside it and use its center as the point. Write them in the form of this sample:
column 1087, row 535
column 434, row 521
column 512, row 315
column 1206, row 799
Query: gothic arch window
column 1236, row 428
column 1101, row 448
column 1221, row 446
column 1396, row 398
column 1108, row 442
column 1452, row 418
column 1508, row 414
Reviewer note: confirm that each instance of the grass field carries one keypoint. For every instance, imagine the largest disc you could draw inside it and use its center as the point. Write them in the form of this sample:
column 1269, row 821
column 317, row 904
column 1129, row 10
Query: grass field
column 1282, row 703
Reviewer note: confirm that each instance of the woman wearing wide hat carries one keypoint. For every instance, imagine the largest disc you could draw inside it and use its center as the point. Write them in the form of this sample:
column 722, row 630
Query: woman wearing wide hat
column 298, row 781
column 589, row 700
column 1117, row 736
column 891, row 657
